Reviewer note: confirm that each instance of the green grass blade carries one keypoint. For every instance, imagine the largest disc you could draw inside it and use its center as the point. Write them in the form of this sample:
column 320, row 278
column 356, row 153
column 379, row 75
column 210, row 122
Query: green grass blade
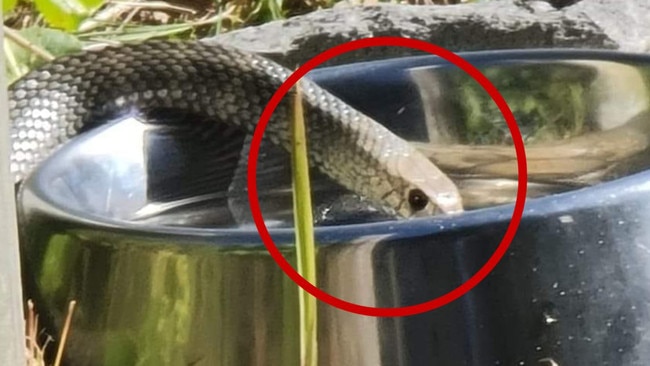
column 306, row 252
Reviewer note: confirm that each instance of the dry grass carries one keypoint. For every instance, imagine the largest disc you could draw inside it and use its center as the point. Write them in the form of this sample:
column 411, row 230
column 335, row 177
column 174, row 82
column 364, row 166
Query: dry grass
column 35, row 349
column 121, row 14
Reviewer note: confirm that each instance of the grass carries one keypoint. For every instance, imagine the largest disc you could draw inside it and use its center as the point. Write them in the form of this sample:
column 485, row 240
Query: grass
column 303, row 219
column 106, row 22
column 35, row 350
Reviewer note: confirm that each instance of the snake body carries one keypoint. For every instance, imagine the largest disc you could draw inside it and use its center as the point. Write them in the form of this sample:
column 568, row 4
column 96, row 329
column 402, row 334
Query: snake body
column 56, row 102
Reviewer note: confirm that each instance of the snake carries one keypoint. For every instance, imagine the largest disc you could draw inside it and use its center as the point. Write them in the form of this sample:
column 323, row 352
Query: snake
column 72, row 94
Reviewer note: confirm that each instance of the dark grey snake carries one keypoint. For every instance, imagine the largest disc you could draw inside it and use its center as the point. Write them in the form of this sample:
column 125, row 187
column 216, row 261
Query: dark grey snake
column 54, row 103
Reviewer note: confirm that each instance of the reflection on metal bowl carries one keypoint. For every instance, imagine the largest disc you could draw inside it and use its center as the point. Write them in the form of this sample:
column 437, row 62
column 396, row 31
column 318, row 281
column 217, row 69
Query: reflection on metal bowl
column 144, row 225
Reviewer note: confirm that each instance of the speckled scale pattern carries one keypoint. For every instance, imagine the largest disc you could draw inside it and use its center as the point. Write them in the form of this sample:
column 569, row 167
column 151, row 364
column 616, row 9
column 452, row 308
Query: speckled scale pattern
column 54, row 103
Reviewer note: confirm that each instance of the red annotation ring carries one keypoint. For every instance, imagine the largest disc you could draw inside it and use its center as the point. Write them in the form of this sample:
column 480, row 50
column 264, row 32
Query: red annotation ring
column 521, row 165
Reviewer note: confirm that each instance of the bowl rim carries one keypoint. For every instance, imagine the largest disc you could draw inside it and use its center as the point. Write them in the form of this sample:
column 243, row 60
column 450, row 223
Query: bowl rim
column 554, row 204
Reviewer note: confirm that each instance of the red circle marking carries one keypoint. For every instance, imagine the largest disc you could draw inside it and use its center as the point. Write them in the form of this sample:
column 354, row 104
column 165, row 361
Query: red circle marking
column 521, row 165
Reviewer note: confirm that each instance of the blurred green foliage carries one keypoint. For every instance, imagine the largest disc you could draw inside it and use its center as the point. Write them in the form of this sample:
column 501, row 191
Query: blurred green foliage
column 67, row 14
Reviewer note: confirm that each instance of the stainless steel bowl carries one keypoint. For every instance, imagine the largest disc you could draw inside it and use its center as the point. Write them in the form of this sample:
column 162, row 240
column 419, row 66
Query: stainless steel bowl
column 123, row 221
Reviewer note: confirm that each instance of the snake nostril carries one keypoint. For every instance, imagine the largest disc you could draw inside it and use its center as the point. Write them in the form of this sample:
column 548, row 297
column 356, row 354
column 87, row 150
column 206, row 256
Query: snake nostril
column 418, row 200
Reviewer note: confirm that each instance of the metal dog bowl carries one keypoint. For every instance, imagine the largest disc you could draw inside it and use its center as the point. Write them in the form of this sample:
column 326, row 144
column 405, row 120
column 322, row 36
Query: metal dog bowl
column 166, row 270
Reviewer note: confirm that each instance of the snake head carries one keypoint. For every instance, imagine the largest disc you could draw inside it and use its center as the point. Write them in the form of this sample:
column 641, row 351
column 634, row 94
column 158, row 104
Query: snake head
column 427, row 190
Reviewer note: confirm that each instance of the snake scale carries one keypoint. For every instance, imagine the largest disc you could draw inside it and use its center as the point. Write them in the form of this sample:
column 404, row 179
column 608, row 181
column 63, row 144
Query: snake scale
column 52, row 104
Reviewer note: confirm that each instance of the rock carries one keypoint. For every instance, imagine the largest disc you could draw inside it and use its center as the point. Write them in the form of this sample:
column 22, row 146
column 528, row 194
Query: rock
column 627, row 22
column 500, row 24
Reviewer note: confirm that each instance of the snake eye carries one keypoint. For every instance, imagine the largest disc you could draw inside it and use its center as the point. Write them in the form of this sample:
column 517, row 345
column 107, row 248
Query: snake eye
column 418, row 200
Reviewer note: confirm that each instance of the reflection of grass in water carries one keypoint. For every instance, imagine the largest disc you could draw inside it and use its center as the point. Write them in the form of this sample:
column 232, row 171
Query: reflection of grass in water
column 645, row 73
column 548, row 102
column 54, row 276
column 185, row 302
column 140, row 300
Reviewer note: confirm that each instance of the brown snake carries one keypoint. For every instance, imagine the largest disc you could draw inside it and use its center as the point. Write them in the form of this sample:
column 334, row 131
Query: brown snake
column 54, row 103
